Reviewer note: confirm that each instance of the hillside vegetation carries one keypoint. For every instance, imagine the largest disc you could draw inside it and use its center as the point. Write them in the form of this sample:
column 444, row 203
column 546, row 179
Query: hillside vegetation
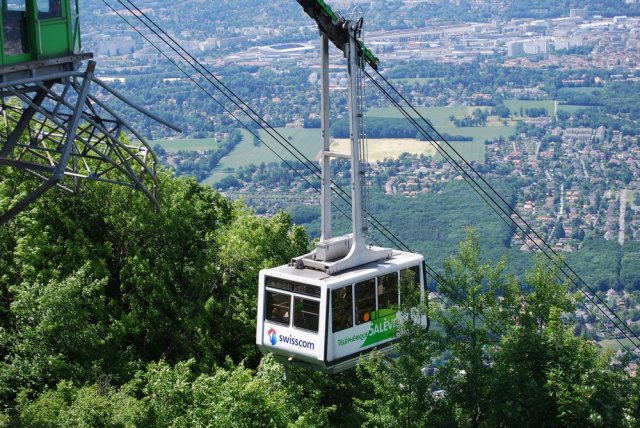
column 114, row 315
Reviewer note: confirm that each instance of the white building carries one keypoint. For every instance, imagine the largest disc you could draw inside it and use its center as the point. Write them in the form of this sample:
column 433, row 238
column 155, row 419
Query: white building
column 536, row 47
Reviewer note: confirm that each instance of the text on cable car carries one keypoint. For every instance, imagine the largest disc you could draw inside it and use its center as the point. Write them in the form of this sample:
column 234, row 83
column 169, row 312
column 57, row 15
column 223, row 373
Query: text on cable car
column 297, row 342
column 381, row 329
column 275, row 338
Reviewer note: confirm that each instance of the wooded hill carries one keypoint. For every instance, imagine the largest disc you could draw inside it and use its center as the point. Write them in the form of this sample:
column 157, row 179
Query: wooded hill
column 114, row 315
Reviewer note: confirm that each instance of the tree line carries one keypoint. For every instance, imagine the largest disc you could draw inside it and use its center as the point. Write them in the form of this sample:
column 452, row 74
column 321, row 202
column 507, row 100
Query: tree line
column 385, row 127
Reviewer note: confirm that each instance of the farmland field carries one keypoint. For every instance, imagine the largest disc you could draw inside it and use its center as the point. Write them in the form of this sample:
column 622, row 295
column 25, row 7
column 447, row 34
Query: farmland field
column 569, row 108
column 308, row 141
column 192, row 144
column 440, row 118
column 437, row 115
column 613, row 345
column 516, row 105
column 383, row 148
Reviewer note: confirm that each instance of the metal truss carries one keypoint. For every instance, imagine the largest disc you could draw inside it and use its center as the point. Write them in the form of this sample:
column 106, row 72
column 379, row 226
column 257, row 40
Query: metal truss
column 55, row 129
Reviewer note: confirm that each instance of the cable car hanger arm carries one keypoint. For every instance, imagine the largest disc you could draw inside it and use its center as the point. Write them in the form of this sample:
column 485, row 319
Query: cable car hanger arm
column 335, row 28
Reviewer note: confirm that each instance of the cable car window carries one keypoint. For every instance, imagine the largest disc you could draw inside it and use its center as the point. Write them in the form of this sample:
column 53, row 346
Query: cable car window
column 410, row 285
column 365, row 300
column 281, row 284
column 306, row 314
column 342, row 315
column 14, row 27
column 48, row 9
column 16, row 6
column 278, row 306
column 388, row 291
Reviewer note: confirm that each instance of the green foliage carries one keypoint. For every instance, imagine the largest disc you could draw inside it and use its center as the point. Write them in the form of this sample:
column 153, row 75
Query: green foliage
column 88, row 406
column 163, row 395
column 630, row 267
column 478, row 294
column 510, row 359
column 597, row 271
column 103, row 284
column 247, row 245
column 545, row 375
column 60, row 331
column 114, row 315
column 399, row 394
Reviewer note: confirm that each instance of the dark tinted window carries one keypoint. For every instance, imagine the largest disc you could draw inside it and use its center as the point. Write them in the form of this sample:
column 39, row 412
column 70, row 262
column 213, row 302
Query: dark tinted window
column 16, row 6
column 410, row 285
column 365, row 300
column 296, row 287
column 14, row 27
column 278, row 306
column 388, row 291
column 48, row 9
column 306, row 314
column 341, row 303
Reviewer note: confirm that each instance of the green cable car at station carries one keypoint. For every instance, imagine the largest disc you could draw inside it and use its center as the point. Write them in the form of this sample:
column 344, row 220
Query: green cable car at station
column 39, row 30
column 55, row 129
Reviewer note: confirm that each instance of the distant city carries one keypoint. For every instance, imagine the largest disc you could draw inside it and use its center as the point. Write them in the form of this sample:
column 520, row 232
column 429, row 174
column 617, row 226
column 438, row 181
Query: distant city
column 540, row 97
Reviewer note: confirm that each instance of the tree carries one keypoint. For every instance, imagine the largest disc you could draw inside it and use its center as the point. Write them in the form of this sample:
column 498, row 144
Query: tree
column 164, row 395
column 246, row 246
column 544, row 374
column 558, row 232
column 94, row 405
column 477, row 294
column 60, row 330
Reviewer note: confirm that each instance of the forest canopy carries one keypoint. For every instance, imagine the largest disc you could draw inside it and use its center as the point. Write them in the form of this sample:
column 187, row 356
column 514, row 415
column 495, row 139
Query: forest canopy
column 112, row 314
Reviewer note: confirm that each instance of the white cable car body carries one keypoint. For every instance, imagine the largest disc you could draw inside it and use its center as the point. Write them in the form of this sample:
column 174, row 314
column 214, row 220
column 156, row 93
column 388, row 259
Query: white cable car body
column 310, row 318
column 329, row 307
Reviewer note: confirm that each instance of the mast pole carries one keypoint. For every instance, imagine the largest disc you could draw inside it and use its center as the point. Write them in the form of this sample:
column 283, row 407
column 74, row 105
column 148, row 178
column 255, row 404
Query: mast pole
column 354, row 129
column 325, row 202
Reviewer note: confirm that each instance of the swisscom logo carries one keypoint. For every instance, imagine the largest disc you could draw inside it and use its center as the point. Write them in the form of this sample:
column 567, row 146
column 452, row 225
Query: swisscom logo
column 273, row 338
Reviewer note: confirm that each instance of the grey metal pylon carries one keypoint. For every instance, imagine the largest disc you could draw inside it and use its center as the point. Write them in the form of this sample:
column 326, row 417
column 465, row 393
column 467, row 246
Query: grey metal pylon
column 55, row 129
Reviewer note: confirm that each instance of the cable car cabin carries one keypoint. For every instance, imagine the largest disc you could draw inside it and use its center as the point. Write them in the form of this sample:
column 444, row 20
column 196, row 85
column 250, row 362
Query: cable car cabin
column 310, row 318
column 38, row 30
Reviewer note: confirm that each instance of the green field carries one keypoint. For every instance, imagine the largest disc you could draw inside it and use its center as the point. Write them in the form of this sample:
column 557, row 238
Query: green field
column 570, row 108
column 469, row 150
column 516, row 105
column 613, row 345
column 306, row 141
column 440, row 118
column 193, row 144
column 633, row 198
column 581, row 90
column 437, row 115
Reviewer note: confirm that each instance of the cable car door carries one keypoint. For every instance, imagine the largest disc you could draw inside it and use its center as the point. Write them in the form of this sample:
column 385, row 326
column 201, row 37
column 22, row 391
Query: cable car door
column 52, row 29
column 15, row 32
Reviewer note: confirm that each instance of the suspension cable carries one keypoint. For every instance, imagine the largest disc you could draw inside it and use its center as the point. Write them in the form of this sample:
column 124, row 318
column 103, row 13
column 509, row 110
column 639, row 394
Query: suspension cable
column 556, row 259
column 255, row 117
